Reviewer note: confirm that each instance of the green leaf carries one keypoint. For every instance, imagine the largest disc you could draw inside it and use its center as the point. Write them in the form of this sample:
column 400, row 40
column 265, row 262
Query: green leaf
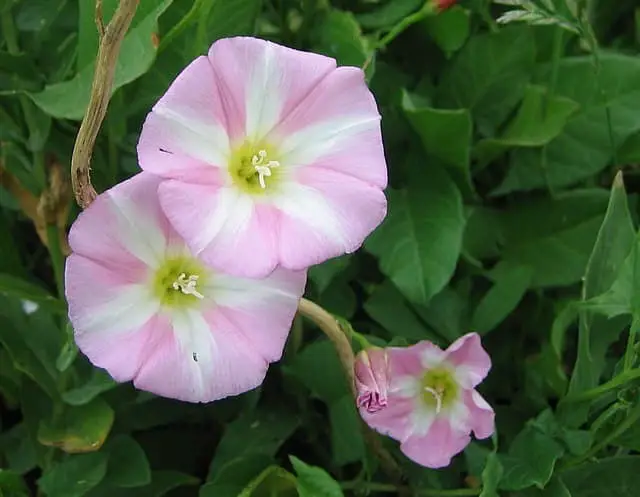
column 74, row 476
column 162, row 482
column 613, row 476
column 234, row 476
column 79, row 428
column 230, row 18
column 12, row 484
column 337, row 34
column 272, row 481
column 317, row 366
column 584, row 147
column 24, row 290
column 254, row 433
column 450, row 28
column 128, row 465
column 489, row 75
column 347, row 444
column 314, row 481
column 530, row 461
column 445, row 135
column 491, row 476
column 503, row 297
column 69, row 99
column 419, row 242
column 555, row 488
column 18, row 448
column 540, row 118
column 323, row 274
column 392, row 12
column 99, row 382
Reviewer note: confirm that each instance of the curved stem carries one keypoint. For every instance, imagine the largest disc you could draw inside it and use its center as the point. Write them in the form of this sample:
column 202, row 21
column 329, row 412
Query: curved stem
column 330, row 327
column 427, row 492
column 617, row 381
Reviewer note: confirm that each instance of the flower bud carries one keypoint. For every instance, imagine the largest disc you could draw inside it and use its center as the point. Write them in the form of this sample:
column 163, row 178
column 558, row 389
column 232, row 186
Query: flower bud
column 443, row 4
column 372, row 372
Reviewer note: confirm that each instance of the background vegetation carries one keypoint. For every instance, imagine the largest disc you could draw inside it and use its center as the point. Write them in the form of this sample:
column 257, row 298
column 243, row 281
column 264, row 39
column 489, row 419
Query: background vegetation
column 506, row 217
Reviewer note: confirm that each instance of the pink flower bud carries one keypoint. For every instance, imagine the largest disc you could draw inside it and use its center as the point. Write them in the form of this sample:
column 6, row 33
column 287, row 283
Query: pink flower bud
column 371, row 371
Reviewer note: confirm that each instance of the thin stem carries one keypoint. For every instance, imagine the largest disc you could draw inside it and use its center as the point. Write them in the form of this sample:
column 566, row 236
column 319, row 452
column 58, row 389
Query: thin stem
column 10, row 33
column 630, row 351
column 621, row 379
column 427, row 492
column 401, row 26
column 57, row 259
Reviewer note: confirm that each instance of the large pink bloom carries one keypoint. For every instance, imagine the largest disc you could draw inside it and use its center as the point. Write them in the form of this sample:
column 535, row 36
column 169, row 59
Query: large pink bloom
column 146, row 310
column 271, row 156
column 432, row 405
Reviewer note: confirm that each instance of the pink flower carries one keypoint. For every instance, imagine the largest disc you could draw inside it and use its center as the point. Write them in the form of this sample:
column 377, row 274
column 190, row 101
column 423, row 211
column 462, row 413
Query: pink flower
column 371, row 372
column 145, row 309
column 432, row 405
column 271, row 156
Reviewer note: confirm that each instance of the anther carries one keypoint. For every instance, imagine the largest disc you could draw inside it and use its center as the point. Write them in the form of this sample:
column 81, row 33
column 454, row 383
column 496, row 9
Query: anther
column 263, row 169
column 188, row 285
column 437, row 394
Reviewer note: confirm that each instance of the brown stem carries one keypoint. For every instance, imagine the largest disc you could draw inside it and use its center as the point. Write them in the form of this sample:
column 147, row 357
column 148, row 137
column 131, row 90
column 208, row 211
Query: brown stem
column 111, row 38
column 330, row 327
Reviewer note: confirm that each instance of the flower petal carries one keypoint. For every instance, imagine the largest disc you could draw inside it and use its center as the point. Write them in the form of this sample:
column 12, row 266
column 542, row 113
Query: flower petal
column 325, row 214
column 199, row 357
column 186, row 133
column 481, row 414
column 393, row 420
column 336, row 127
column 437, row 447
column 223, row 226
column 471, row 361
column 261, row 309
column 262, row 82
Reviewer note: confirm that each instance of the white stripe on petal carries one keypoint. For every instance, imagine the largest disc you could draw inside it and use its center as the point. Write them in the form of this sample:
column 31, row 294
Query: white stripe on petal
column 245, row 293
column 406, row 386
column 422, row 418
column 263, row 99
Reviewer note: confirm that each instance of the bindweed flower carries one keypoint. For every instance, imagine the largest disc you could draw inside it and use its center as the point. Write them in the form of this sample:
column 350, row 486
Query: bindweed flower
column 271, row 156
column 432, row 405
column 145, row 309
column 371, row 374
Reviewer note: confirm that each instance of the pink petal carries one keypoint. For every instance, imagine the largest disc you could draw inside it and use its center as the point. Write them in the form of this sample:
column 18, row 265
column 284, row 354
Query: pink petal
column 185, row 135
column 262, row 310
column 336, row 127
column 224, row 227
column 406, row 361
column 392, row 421
column 200, row 358
column 471, row 361
column 262, row 82
column 437, row 447
column 324, row 215
column 481, row 414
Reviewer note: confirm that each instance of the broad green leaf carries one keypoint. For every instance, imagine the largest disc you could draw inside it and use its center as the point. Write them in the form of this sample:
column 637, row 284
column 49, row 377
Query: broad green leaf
column 337, row 34
column 530, row 461
column 501, row 299
column 69, row 99
column 483, row 235
column 489, row 75
column 491, row 476
column 613, row 244
column 313, row 481
column 234, row 476
column 260, row 433
column 226, row 18
column 12, row 484
column 162, row 482
column 555, row 488
column 272, row 481
column 75, row 475
column 450, row 28
column 447, row 313
column 613, row 476
column 317, row 366
column 388, row 14
column 347, row 444
column 25, row 290
column 79, row 428
column 445, row 135
column 540, row 118
column 584, row 147
column 99, row 382
column 323, row 274
column 128, row 465
column 419, row 242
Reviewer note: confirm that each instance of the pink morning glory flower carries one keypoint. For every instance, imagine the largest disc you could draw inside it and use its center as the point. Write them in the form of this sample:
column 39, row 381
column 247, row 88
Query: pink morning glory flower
column 145, row 309
column 372, row 379
column 432, row 405
column 271, row 156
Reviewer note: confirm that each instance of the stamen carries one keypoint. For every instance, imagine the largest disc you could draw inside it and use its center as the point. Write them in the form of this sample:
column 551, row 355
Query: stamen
column 188, row 285
column 437, row 394
column 258, row 163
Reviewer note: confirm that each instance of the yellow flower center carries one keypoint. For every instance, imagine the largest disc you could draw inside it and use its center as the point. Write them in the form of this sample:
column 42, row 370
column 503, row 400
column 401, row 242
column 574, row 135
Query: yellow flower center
column 179, row 281
column 439, row 388
column 253, row 168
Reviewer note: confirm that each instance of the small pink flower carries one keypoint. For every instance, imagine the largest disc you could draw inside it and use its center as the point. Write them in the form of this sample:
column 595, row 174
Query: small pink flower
column 271, row 156
column 432, row 405
column 371, row 372
column 145, row 309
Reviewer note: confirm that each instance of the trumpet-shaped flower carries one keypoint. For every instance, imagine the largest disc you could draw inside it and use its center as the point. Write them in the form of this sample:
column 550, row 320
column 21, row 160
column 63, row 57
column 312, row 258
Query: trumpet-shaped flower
column 432, row 405
column 145, row 309
column 271, row 156
column 372, row 378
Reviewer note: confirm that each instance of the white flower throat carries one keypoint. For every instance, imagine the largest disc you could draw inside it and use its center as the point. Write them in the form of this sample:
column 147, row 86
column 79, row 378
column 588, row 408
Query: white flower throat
column 188, row 285
column 263, row 166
